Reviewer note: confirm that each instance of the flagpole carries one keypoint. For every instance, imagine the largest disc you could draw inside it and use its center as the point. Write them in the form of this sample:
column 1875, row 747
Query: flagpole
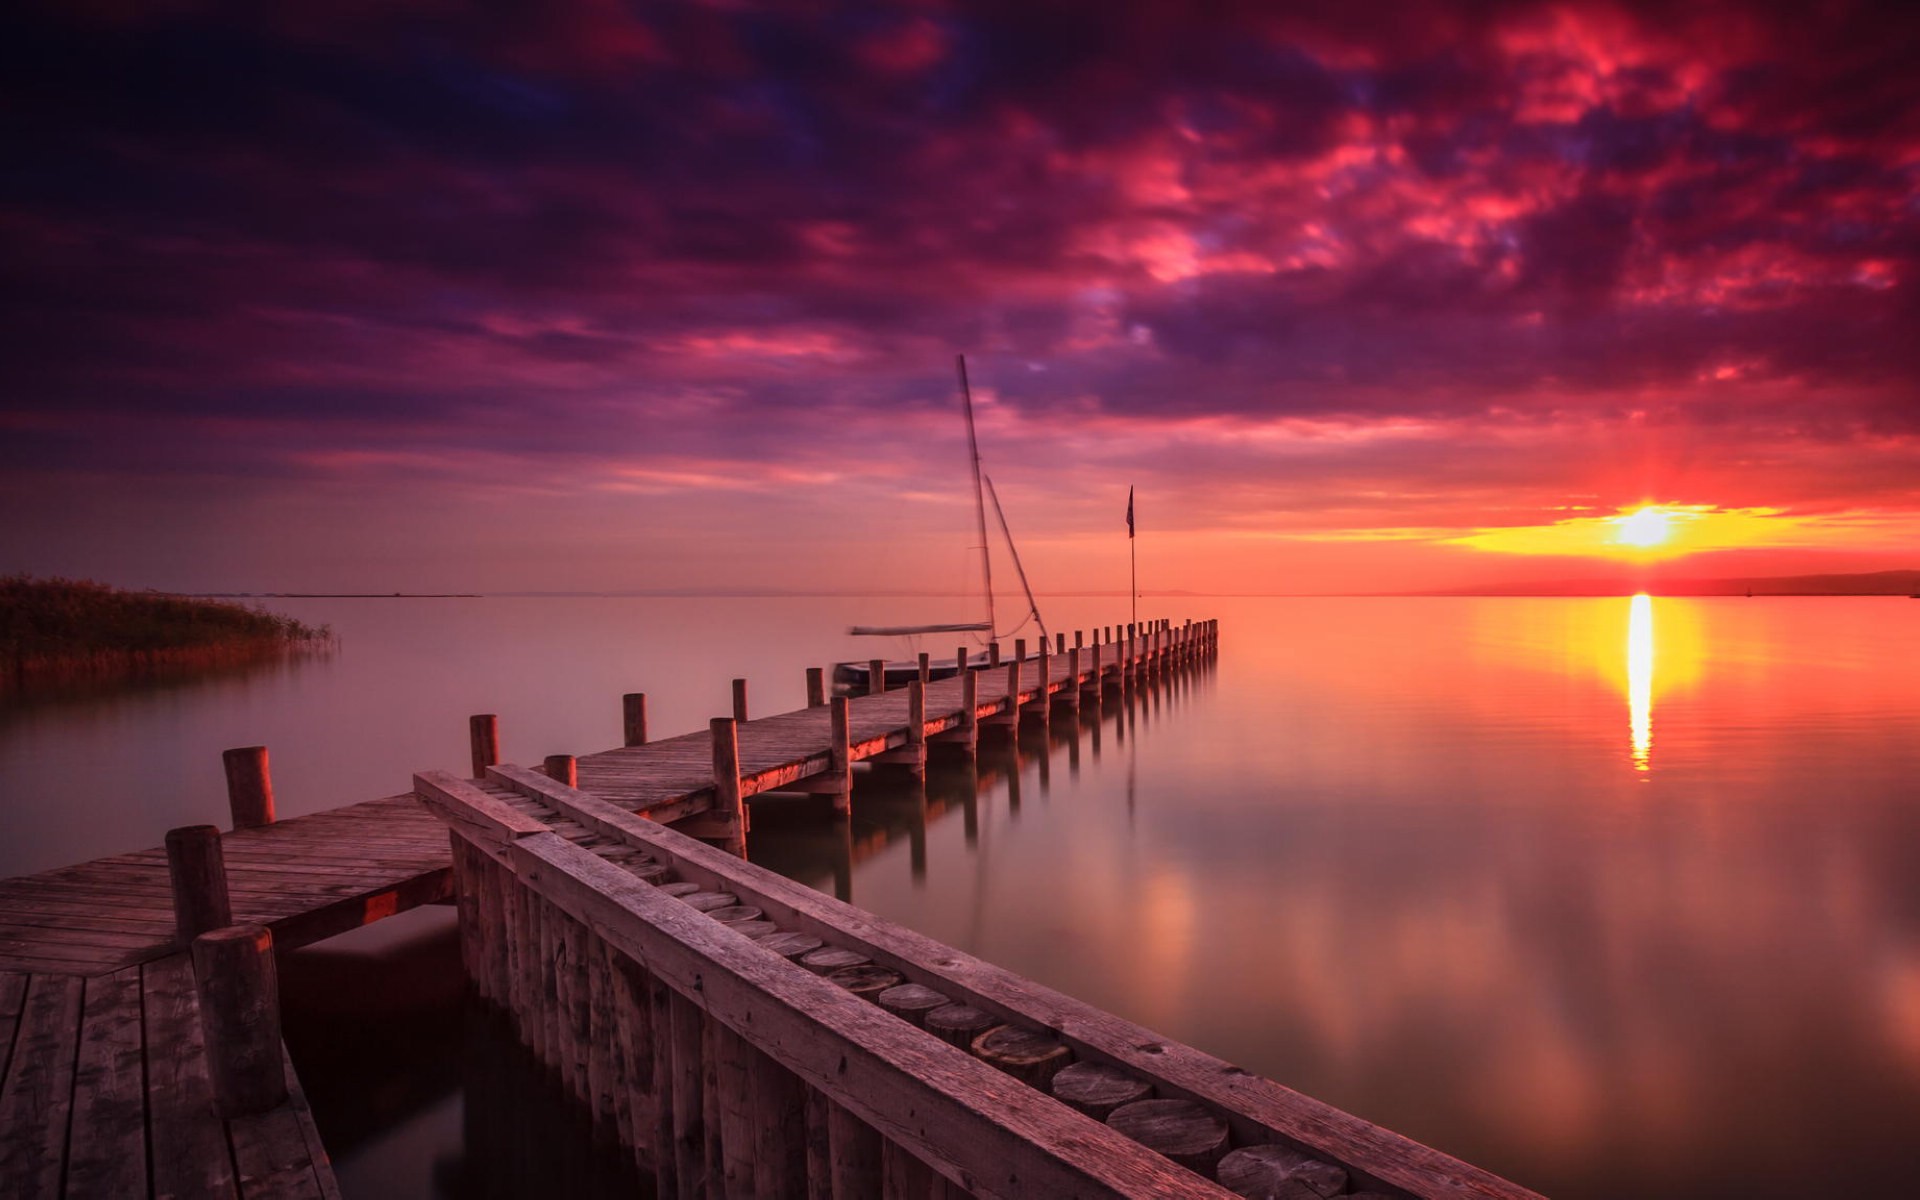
column 1133, row 565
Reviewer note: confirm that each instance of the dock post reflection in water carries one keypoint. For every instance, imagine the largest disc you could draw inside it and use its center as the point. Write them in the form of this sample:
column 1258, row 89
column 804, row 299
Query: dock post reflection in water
column 1640, row 679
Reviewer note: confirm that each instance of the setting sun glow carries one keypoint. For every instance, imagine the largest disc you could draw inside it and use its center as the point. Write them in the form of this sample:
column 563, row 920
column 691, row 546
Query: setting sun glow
column 1648, row 532
column 1645, row 528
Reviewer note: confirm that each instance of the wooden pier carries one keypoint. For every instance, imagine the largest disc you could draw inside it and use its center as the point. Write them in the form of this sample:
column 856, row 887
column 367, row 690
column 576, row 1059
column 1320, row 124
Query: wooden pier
column 743, row 1035
column 738, row 1034
column 113, row 1054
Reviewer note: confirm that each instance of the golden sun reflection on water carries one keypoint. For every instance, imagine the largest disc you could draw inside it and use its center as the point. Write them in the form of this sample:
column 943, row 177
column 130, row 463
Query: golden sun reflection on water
column 1640, row 679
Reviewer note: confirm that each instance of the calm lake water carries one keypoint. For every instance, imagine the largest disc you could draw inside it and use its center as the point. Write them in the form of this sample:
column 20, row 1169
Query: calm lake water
column 1616, row 898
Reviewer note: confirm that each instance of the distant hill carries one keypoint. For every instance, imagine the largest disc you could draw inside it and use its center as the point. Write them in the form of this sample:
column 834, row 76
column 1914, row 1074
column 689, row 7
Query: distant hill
column 1874, row 583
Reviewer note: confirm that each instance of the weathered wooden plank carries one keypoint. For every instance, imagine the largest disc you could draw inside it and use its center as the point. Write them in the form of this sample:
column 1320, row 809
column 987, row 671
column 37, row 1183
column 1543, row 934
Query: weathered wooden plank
column 52, row 966
column 76, row 935
column 37, row 1096
column 317, row 1157
column 107, row 1148
column 13, row 994
column 271, row 1158
column 189, row 1143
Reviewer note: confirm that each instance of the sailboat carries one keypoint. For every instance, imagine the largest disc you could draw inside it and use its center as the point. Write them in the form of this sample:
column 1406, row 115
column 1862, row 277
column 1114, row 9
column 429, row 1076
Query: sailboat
column 856, row 676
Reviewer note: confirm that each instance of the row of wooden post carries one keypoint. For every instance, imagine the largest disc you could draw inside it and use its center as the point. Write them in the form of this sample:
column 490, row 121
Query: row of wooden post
column 233, row 965
column 1143, row 649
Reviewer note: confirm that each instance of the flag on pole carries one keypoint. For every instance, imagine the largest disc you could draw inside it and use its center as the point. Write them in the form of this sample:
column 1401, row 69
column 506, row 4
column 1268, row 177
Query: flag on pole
column 1129, row 512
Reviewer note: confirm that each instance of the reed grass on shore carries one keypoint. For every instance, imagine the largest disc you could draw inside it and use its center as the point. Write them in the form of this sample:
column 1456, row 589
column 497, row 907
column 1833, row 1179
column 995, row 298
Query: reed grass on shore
column 61, row 628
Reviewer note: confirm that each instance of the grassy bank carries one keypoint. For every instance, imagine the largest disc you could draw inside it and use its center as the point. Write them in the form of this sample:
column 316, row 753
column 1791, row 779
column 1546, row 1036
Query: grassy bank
column 60, row 628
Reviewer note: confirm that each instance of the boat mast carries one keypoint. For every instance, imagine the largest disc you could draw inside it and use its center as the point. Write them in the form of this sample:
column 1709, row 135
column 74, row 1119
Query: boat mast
column 979, row 499
column 1032, row 606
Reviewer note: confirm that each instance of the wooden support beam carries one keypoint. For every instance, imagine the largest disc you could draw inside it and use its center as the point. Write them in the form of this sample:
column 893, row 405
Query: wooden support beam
column 633, row 719
column 249, row 786
column 562, row 768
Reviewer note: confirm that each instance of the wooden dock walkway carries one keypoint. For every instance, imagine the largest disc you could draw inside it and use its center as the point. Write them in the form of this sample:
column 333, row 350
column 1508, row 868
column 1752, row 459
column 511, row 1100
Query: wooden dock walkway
column 105, row 1092
column 811, row 749
column 305, row 878
column 105, row 1081
column 104, row 1073
column 740, row 1034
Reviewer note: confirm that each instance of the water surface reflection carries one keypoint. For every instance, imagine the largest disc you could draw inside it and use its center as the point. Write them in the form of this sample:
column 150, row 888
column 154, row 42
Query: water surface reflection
column 1398, row 857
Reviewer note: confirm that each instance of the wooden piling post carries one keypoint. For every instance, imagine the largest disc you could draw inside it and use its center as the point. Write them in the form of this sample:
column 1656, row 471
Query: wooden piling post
column 1272, row 1170
column 970, row 710
column 993, row 654
column 876, row 676
column 728, row 804
column 633, row 719
column 483, row 731
column 1030, row 1057
column 853, row 1149
column 960, row 655
column 959, row 1024
column 197, row 869
column 1079, row 638
column 926, row 667
column 911, row 1002
column 249, row 786
column 1070, row 695
column 1180, row 1129
column 779, row 1118
column 840, row 755
column 1019, row 649
column 686, row 1088
column 562, row 768
column 816, row 687
column 1060, row 642
column 916, row 746
column 1096, row 1089
column 740, row 701
column 239, row 993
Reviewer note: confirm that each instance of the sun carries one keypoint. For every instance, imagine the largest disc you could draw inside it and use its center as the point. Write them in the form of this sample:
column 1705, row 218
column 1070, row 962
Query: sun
column 1646, row 528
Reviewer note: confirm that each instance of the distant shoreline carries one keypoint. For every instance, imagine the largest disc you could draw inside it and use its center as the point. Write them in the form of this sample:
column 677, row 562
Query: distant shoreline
column 59, row 630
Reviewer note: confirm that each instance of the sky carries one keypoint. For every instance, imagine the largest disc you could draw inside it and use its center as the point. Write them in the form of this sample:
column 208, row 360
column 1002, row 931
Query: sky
column 589, row 296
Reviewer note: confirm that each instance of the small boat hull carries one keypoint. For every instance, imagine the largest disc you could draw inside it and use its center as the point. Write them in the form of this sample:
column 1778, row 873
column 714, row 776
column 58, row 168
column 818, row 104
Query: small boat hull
column 852, row 678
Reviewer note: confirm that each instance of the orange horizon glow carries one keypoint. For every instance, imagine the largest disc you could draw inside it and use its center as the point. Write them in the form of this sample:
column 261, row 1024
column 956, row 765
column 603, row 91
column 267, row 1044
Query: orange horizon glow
column 1650, row 533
